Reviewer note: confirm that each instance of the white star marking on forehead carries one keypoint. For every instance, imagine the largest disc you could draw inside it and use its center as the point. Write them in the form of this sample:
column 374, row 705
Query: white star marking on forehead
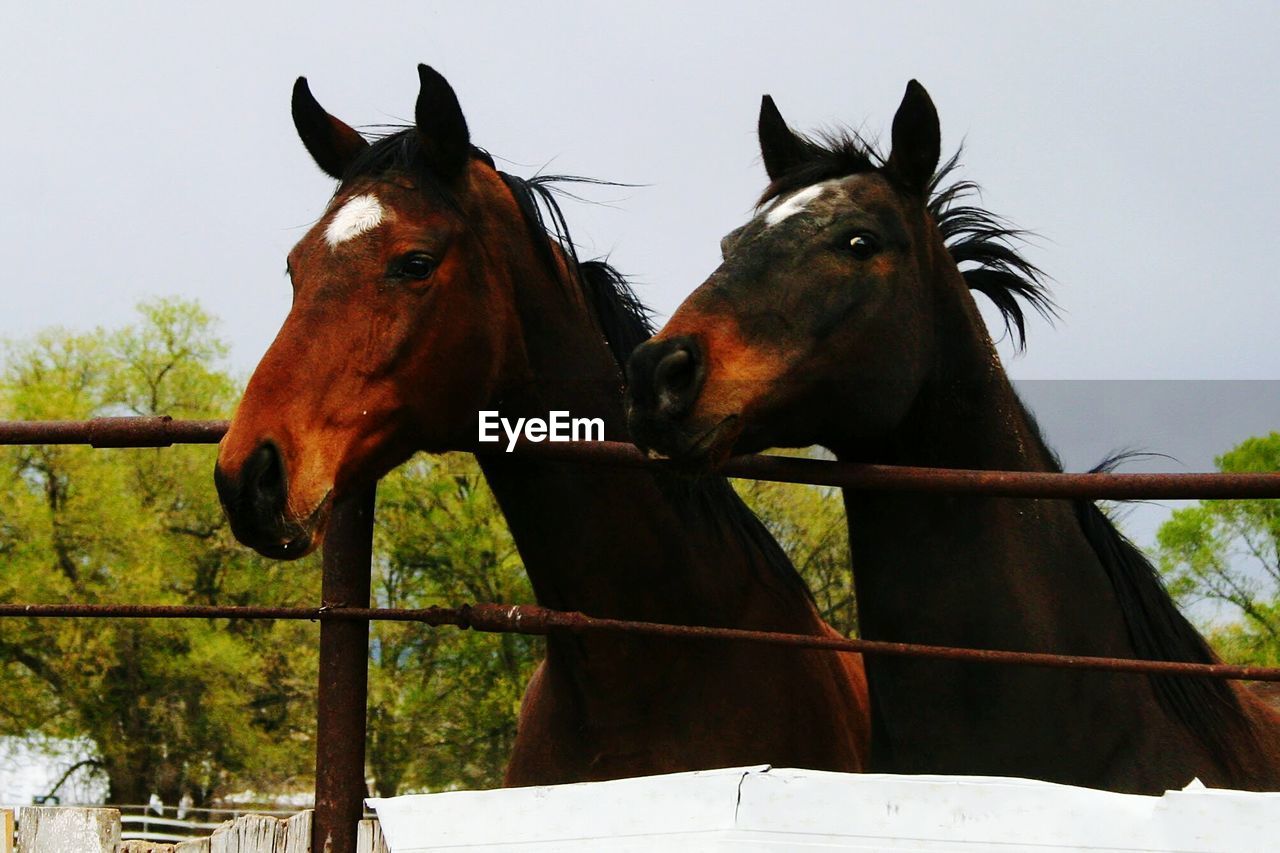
column 793, row 204
column 360, row 214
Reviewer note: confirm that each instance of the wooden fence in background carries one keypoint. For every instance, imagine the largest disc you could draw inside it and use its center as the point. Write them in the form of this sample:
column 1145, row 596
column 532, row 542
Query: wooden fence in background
column 98, row 830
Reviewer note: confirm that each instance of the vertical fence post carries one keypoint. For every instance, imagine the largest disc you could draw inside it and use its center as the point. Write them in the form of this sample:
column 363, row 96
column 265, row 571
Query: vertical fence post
column 342, row 697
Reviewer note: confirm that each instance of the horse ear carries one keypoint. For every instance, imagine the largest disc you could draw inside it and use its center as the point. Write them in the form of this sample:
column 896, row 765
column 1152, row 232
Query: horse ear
column 780, row 148
column 331, row 143
column 442, row 129
column 917, row 140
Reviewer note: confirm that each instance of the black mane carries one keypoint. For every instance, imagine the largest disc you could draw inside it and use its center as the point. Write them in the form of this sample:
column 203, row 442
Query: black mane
column 1208, row 707
column 623, row 318
column 988, row 246
column 983, row 245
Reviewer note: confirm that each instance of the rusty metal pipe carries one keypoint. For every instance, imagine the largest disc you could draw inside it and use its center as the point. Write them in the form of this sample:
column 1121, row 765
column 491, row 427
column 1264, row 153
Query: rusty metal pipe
column 532, row 619
column 430, row 616
column 113, row 432
column 536, row 620
column 343, row 690
column 902, row 478
column 163, row 432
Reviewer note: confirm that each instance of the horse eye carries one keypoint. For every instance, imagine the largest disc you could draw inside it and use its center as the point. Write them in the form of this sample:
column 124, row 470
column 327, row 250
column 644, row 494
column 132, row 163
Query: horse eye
column 416, row 266
column 863, row 246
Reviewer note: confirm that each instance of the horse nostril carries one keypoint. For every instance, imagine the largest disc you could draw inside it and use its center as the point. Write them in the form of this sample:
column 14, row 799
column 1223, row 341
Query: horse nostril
column 264, row 480
column 664, row 380
column 255, row 498
column 672, row 376
column 676, row 380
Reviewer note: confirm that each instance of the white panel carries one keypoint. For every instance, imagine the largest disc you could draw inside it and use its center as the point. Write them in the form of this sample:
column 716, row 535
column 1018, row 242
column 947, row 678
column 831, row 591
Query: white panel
column 761, row 809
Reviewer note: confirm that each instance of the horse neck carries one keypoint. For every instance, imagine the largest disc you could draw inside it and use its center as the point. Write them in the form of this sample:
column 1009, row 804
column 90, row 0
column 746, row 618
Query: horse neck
column 611, row 541
column 987, row 571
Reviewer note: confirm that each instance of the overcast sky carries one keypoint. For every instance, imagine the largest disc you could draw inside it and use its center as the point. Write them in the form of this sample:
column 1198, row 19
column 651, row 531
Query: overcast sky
column 149, row 150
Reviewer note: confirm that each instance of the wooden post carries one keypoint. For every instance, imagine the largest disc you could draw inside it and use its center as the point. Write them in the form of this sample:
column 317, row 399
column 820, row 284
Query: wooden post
column 253, row 833
column 6, row 830
column 262, row 834
column 81, row 830
column 369, row 837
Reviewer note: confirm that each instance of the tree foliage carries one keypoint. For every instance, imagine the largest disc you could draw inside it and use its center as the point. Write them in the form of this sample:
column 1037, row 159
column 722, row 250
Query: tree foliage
column 1228, row 552
column 171, row 707
column 443, row 703
column 809, row 523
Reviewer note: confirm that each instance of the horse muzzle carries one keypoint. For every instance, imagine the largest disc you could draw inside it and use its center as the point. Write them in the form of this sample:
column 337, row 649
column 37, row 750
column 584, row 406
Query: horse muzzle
column 255, row 499
column 666, row 377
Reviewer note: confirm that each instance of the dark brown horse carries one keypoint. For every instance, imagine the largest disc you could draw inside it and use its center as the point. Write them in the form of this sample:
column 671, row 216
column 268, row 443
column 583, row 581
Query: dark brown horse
column 430, row 290
column 841, row 317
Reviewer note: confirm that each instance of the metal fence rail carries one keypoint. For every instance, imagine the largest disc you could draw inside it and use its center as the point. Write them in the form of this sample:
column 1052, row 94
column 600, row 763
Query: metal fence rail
column 164, row 432
column 536, row 620
column 344, row 613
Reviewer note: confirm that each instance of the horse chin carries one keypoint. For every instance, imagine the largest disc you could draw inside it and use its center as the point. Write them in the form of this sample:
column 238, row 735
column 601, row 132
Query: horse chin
column 294, row 540
column 293, row 549
column 720, row 442
column 697, row 451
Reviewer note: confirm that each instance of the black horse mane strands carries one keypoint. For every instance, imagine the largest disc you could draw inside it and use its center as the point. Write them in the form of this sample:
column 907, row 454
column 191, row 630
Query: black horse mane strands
column 986, row 249
column 1206, row 706
column 624, row 320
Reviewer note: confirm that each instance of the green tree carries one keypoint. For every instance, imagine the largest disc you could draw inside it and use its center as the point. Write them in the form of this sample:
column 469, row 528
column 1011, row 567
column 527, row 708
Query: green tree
column 443, row 703
column 809, row 523
column 172, row 707
column 1228, row 551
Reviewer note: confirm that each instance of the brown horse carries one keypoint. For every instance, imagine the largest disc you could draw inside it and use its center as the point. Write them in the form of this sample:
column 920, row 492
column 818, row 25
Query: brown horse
column 430, row 290
column 840, row 316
